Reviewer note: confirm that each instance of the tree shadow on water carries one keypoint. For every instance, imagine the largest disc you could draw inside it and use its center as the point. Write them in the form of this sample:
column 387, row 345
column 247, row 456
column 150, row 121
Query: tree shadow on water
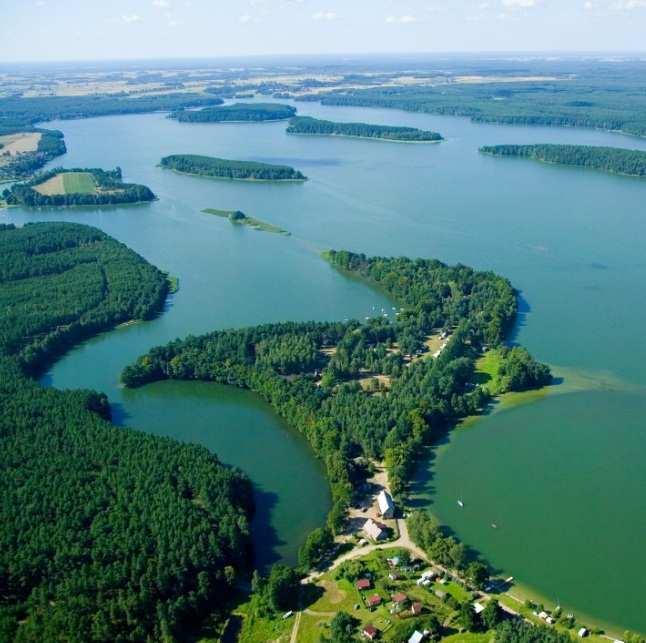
column 521, row 319
column 264, row 535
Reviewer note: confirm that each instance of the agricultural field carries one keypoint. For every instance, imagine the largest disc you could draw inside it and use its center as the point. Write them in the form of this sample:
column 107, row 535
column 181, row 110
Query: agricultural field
column 19, row 143
column 68, row 183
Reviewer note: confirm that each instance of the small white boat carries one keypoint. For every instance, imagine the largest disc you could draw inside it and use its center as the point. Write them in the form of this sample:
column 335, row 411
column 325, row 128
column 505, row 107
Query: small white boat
column 494, row 525
column 460, row 503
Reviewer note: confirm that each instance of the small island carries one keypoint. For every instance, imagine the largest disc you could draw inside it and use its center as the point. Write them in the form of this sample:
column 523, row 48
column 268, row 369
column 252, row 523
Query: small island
column 79, row 186
column 613, row 160
column 240, row 218
column 236, row 113
column 217, row 168
column 317, row 127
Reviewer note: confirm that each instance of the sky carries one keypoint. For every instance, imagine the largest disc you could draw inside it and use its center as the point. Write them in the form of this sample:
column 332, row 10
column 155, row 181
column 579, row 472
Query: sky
column 58, row 30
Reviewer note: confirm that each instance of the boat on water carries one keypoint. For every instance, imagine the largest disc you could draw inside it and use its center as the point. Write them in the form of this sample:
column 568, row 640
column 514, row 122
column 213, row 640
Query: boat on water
column 460, row 503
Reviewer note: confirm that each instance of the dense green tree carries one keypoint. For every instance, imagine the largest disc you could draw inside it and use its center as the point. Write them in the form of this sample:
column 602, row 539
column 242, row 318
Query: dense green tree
column 254, row 112
column 492, row 614
column 316, row 126
column 467, row 617
column 316, row 547
column 477, row 573
column 343, row 628
column 106, row 534
column 615, row 160
column 227, row 169
column 282, row 588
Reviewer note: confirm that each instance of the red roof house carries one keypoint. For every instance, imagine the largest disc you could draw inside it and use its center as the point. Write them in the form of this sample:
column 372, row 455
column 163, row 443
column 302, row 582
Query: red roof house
column 363, row 583
column 370, row 632
column 374, row 600
column 399, row 598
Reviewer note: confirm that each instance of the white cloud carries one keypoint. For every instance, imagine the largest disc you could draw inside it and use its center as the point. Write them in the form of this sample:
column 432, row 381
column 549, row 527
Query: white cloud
column 131, row 18
column 245, row 18
column 406, row 19
column 162, row 4
column 588, row 6
column 40, row 3
column 324, row 15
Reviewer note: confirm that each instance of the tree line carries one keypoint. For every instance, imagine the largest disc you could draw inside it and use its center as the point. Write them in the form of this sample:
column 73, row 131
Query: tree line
column 614, row 160
column 228, row 169
column 106, row 534
column 316, row 126
column 18, row 111
column 317, row 390
column 595, row 102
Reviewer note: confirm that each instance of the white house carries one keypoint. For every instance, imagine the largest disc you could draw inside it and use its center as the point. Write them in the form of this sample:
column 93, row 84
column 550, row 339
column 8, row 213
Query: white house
column 416, row 637
column 386, row 505
column 374, row 530
column 583, row 632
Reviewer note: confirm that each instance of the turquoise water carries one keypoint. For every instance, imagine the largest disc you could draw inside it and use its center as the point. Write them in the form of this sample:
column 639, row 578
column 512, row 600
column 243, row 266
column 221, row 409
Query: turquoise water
column 570, row 240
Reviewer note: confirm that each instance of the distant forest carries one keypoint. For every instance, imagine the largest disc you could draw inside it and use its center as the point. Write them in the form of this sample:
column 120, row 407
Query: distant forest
column 16, row 112
column 228, row 169
column 614, row 160
column 245, row 112
column 603, row 103
column 106, row 534
column 315, row 126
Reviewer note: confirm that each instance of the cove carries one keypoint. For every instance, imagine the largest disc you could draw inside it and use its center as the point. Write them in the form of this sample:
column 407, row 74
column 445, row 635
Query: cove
column 570, row 240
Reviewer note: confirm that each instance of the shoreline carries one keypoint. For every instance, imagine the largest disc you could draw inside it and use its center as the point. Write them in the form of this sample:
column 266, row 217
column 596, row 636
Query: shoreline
column 573, row 382
column 380, row 139
column 226, row 178
column 559, row 164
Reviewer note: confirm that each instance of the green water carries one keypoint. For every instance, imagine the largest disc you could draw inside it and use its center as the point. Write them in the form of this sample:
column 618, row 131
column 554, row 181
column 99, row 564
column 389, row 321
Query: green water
column 571, row 240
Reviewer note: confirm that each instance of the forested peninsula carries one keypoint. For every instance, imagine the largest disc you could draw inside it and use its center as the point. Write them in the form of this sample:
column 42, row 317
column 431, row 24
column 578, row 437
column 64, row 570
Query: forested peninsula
column 614, row 160
column 106, row 534
column 78, row 186
column 217, row 168
column 316, row 126
column 313, row 374
column 238, row 112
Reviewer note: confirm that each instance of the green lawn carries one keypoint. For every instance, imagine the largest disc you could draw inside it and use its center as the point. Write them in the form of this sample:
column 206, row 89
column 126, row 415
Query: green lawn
column 487, row 371
column 78, row 183
column 469, row 637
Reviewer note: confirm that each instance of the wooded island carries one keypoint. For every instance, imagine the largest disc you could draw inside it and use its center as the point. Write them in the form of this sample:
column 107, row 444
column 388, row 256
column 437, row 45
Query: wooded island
column 238, row 112
column 227, row 169
column 318, row 127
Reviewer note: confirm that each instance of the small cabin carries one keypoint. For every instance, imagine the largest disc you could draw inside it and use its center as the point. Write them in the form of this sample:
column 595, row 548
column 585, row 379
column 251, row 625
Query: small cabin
column 370, row 632
column 386, row 505
column 363, row 584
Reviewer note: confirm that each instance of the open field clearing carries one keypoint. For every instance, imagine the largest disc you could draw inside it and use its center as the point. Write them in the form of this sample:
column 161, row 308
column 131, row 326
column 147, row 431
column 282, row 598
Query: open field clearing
column 19, row 143
column 68, row 183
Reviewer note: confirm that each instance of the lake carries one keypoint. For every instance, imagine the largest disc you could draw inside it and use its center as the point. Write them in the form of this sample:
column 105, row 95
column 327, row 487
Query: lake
column 563, row 477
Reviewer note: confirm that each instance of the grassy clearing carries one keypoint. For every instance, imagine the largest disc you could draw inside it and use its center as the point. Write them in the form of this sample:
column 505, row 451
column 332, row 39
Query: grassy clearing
column 68, row 183
column 487, row 372
column 79, row 183
column 260, row 630
column 238, row 218
column 311, row 628
column 469, row 637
